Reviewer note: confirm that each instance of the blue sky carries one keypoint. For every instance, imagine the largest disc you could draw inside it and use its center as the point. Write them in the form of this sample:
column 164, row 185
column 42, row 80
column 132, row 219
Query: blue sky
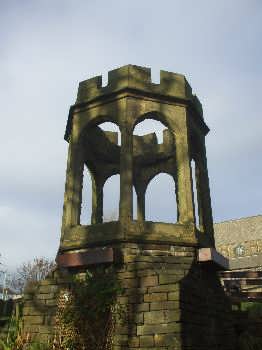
column 47, row 47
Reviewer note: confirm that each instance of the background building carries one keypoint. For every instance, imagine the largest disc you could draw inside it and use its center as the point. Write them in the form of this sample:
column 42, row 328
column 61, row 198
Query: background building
column 241, row 241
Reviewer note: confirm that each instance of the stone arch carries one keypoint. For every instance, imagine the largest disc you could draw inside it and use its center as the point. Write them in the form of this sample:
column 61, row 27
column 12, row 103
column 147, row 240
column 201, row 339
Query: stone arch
column 155, row 174
column 98, row 143
column 150, row 126
column 155, row 115
column 93, row 122
column 111, row 127
column 167, row 209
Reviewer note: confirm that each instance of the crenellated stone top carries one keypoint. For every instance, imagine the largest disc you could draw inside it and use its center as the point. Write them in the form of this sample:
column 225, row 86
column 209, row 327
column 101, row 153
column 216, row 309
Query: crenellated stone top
column 139, row 79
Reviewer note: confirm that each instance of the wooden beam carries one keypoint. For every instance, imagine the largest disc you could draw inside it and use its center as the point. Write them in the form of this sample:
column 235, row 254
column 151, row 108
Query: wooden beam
column 91, row 257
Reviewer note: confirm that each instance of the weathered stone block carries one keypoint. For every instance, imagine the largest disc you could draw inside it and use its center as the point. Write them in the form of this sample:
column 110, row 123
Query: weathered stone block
column 121, row 340
column 148, row 281
column 163, row 328
column 32, row 311
column 130, row 283
column 168, row 340
column 133, row 342
column 161, row 316
column 51, row 302
column 48, row 289
column 45, row 296
column 174, row 295
column 168, row 278
column 34, row 319
column 136, row 317
column 140, row 307
column 164, row 288
column 146, row 341
column 155, row 297
column 165, row 305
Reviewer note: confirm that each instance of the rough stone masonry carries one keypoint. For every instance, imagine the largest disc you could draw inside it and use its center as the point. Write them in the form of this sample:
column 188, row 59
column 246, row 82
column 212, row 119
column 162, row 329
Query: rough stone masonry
column 172, row 300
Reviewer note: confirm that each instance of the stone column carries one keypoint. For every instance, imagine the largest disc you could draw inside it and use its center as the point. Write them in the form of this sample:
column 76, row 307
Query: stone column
column 184, row 183
column 176, row 194
column 97, row 200
column 126, row 173
column 141, row 204
column 204, row 195
column 73, row 187
column 196, row 196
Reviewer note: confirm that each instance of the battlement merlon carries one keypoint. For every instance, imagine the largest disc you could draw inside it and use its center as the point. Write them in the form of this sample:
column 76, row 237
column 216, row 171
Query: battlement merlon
column 138, row 78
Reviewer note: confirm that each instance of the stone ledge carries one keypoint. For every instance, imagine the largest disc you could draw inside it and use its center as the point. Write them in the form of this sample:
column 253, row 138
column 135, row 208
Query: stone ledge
column 81, row 236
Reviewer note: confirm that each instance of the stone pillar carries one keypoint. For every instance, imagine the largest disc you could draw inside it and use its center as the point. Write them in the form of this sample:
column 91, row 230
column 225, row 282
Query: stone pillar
column 126, row 174
column 176, row 194
column 204, row 196
column 73, row 187
column 184, row 184
column 197, row 198
column 97, row 201
column 141, row 204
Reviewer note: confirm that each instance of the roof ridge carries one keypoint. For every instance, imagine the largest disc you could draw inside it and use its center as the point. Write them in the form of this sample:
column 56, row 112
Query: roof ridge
column 238, row 219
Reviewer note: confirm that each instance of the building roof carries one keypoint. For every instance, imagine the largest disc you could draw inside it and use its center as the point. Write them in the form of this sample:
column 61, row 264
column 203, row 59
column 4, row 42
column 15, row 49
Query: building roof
column 239, row 230
column 241, row 241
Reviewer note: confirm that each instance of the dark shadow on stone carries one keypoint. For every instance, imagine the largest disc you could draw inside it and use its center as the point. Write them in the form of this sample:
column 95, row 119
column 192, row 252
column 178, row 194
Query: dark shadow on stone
column 206, row 312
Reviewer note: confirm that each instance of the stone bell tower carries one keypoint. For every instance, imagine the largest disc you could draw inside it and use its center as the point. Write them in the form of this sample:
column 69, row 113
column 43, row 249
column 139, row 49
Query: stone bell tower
column 168, row 271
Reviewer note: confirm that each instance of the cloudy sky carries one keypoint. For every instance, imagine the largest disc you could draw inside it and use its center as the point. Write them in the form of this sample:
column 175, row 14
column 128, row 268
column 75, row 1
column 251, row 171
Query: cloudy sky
column 48, row 46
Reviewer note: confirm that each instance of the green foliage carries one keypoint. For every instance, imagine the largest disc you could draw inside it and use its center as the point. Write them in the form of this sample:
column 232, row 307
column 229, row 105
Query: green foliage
column 100, row 287
column 86, row 315
column 13, row 338
column 87, row 312
column 248, row 339
column 254, row 309
column 14, row 329
column 16, row 340
column 23, row 345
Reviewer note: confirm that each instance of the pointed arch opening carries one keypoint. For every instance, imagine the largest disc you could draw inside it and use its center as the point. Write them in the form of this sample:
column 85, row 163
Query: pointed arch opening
column 160, row 201
column 100, row 142
column 150, row 126
column 112, row 131
column 111, row 192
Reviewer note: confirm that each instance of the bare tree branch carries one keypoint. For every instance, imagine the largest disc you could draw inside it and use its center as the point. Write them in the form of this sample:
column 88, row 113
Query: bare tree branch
column 31, row 271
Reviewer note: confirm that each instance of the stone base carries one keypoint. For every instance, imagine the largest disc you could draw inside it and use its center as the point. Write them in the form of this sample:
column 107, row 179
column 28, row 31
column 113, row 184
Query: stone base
column 171, row 301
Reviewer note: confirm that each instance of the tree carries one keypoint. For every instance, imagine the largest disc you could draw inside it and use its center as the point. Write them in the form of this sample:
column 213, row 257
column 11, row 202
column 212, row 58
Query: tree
column 31, row 271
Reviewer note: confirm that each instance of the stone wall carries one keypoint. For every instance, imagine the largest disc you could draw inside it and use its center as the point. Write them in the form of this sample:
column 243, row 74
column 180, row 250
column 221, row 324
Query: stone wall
column 40, row 301
column 171, row 301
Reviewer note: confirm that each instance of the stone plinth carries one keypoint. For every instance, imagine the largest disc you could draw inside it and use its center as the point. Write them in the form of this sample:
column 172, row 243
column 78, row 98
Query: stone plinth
column 170, row 300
